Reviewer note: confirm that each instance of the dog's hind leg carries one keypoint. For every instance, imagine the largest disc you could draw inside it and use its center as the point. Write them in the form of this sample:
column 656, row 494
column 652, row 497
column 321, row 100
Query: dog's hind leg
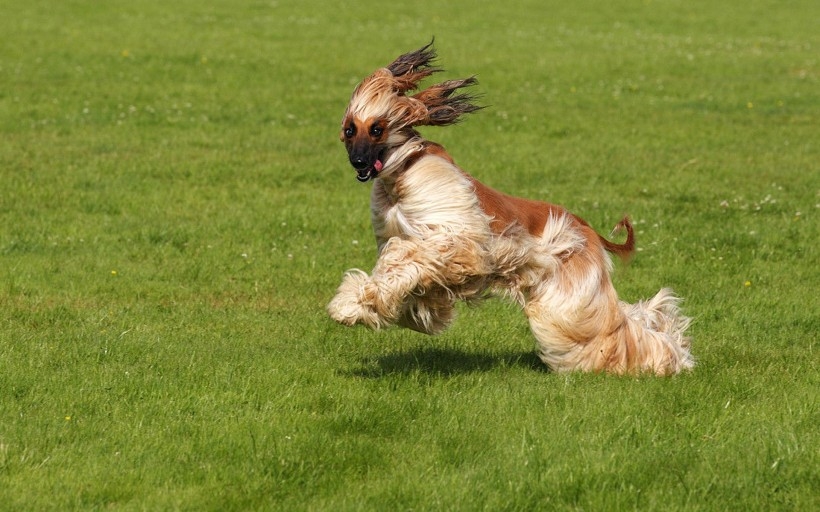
column 568, row 324
column 657, row 334
column 600, row 333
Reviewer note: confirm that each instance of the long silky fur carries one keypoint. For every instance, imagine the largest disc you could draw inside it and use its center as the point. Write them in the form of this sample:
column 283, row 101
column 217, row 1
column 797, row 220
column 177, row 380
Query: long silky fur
column 406, row 63
column 444, row 107
column 443, row 236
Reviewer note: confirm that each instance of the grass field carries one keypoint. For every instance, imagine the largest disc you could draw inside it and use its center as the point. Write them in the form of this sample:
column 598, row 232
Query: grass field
column 176, row 211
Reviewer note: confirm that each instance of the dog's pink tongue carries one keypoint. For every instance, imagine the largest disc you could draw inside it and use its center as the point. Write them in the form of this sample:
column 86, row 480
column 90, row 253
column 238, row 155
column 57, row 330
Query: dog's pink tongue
column 378, row 165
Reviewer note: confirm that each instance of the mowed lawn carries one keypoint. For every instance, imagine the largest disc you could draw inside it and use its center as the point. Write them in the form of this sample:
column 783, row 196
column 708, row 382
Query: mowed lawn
column 176, row 211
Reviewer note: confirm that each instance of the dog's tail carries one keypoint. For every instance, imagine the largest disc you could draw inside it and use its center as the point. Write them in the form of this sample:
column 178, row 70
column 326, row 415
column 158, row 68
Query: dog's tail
column 626, row 249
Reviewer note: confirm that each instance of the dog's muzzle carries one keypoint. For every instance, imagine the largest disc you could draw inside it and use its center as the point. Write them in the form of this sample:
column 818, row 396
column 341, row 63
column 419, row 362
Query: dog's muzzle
column 364, row 170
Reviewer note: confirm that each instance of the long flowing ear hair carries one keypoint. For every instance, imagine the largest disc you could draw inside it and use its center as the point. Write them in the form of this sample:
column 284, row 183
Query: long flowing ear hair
column 384, row 93
column 413, row 67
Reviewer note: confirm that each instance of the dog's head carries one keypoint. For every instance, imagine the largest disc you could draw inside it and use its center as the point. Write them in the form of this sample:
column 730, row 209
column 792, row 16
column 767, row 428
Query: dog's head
column 381, row 116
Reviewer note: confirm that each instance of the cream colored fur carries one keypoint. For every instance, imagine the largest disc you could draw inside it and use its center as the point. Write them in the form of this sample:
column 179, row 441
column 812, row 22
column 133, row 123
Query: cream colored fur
column 436, row 247
column 437, row 244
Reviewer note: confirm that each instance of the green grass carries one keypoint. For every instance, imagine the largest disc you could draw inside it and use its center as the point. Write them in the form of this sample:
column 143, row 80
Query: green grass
column 176, row 211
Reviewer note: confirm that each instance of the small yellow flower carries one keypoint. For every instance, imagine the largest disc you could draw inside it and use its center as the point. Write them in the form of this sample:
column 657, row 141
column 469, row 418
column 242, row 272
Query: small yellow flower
column 113, row 272
column 68, row 418
column 750, row 105
column 747, row 284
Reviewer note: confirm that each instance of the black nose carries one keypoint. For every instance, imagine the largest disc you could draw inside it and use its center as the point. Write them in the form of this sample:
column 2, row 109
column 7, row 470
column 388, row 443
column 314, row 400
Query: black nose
column 358, row 163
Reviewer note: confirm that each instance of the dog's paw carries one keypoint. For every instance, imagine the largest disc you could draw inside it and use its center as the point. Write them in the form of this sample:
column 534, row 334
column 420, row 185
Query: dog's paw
column 349, row 306
column 345, row 312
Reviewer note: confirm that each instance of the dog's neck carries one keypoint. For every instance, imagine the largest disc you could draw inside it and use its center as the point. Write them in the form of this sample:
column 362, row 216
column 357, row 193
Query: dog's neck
column 397, row 158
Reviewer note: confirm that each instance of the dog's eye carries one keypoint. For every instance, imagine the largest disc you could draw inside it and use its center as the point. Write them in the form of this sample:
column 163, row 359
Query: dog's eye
column 376, row 130
column 350, row 131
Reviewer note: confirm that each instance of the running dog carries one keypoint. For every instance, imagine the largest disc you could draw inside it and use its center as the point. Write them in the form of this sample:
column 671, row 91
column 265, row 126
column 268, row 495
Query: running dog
column 443, row 236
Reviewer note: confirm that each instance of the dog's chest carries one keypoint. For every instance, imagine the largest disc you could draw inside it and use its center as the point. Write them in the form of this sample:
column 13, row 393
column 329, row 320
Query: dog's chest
column 431, row 197
column 392, row 220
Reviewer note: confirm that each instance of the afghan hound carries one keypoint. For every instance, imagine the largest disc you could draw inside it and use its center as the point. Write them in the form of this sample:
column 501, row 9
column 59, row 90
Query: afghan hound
column 443, row 236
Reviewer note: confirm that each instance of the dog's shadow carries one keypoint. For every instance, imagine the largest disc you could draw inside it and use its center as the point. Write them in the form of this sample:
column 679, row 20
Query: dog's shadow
column 444, row 362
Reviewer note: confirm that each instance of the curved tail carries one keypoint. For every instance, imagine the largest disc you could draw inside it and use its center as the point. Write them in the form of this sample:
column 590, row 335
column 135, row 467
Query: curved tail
column 626, row 249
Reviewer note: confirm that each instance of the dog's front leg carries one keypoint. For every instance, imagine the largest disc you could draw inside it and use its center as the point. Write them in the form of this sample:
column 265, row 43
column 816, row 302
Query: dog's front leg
column 376, row 300
column 351, row 304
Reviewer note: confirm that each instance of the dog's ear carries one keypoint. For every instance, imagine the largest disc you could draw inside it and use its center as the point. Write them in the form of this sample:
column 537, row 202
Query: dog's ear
column 411, row 68
column 443, row 106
